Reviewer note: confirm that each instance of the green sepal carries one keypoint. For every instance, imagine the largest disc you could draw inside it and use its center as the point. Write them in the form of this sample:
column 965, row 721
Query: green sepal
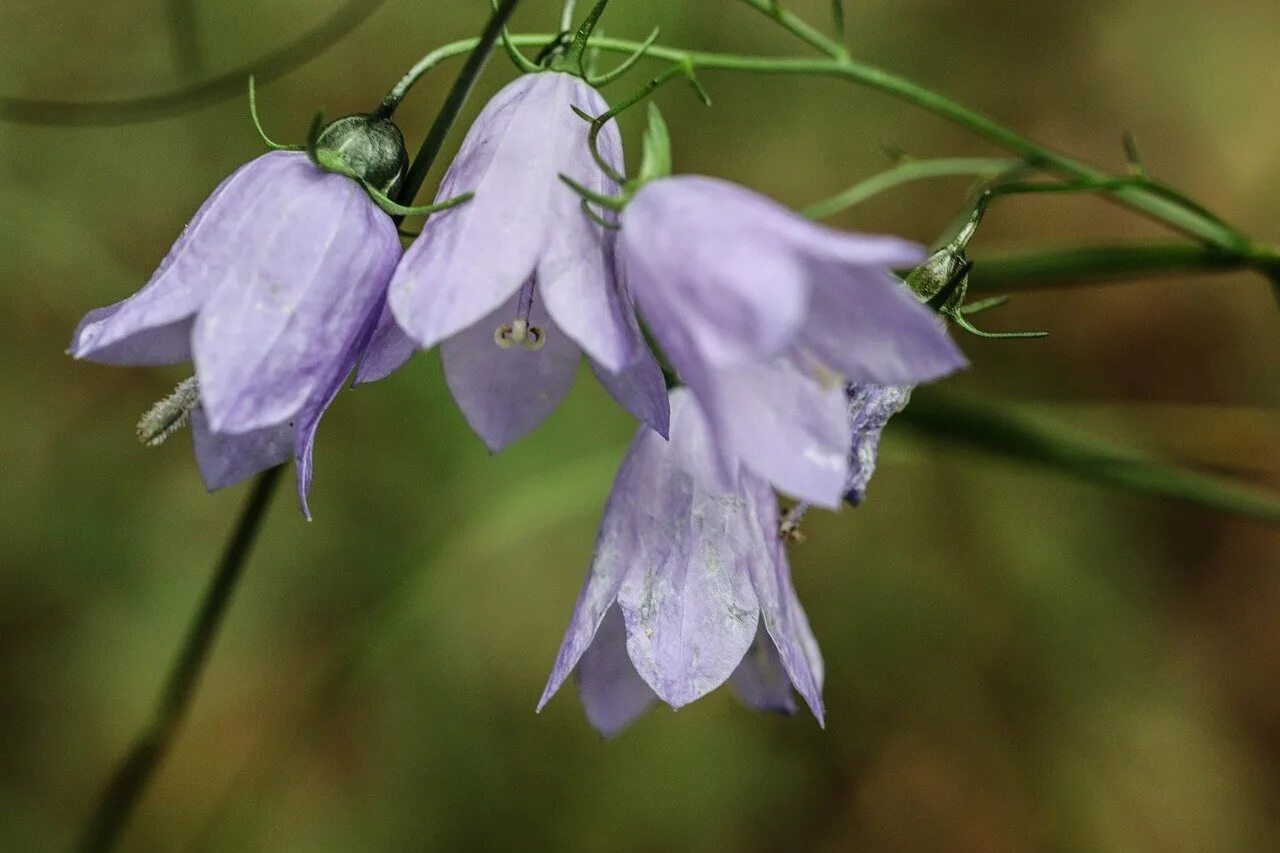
column 395, row 209
column 627, row 64
column 608, row 202
column 657, row 161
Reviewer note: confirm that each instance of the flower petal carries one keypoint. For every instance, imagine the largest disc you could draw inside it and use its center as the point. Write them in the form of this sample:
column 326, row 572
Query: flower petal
column 867, row 326
column 871, row 407
column 626, row 543
column 785, row 426
column 225, row 459
column 470, row 259
column 308, row 419
column 577, row 272
column 760, row 680
column 388, row 351
column 505, row 393
column 613, row 695
column 310, row 258
column 780, row 609
column 689, row 608
column 713, row 260
column 153, row 326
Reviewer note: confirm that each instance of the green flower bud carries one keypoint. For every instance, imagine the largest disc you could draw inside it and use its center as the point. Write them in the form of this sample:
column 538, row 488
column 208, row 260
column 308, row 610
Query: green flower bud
column 368, row 147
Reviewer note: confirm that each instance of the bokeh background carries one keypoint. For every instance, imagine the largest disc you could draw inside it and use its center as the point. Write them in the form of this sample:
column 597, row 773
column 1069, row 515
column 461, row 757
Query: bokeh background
column 1016, row 661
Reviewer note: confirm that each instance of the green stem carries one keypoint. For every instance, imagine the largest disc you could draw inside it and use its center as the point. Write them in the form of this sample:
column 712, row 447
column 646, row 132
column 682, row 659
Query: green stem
column 129, row 782
column 800, row 28
column 1148, row 200
column 914, row 170
column 457, row 97
column 1056, row 266
column 231, row 84
column 1043, row 442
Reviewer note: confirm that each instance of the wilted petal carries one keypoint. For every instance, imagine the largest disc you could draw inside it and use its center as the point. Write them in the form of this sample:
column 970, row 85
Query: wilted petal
column 780, row 609
column 690, row 616
column 388, row 350
column 705, row 257
column 153, row 326
column 871, row 407
column 225, row 459
column 784, row 425
column 470, row 259
column 505, row 393
column 627, row 542
column 612, row 693
column 760, row 680
column 868, row 327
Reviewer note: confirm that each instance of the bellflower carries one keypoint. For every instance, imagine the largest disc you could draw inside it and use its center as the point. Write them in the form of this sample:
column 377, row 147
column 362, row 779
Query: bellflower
column 272, row 290
column 516, row 284
column 689, row 588
column 766, row 316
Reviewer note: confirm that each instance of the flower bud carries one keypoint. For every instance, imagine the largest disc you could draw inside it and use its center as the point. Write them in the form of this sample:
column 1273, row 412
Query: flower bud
column 369, row 147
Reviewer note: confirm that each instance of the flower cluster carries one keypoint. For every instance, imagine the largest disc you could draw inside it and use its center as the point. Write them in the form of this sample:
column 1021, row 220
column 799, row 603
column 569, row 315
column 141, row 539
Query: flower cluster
column 787, row 346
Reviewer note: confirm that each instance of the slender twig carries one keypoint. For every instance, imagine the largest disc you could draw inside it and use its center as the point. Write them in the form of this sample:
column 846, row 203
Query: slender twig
column 227, row 85
column 129, row 782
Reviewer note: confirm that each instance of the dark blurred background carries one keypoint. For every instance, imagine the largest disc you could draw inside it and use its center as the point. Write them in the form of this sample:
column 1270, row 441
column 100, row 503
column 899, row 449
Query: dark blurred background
column 1016, row 661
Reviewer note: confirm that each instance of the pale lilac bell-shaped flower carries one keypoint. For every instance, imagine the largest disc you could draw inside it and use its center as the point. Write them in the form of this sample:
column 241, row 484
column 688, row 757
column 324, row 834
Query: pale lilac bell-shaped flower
column 767, row 316
column 519, row 282
column 689, row 588
column 272, row 290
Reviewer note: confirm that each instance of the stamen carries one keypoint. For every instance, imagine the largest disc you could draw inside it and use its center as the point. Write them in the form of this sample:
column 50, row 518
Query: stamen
column 789, row 529
column 170, row 414
column 519, row 331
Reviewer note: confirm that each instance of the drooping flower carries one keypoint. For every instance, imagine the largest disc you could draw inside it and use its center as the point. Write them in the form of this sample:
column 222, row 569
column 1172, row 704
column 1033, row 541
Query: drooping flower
column 871, row 407
column 766, row 316
column 689, row 588
column 516, row 284
column 272, row 290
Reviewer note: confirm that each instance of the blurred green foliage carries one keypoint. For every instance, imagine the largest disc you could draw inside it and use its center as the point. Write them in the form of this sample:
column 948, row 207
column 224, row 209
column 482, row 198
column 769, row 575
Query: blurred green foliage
column 1015, row 661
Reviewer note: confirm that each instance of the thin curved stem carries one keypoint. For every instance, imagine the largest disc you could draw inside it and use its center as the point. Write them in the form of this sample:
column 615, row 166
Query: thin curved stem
column 227, row 85
column 914, row 170
column 131, row 777
column 799, row 27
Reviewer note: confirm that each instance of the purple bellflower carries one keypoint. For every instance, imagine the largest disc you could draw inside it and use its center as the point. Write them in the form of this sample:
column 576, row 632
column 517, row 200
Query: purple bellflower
column 272, row 290
column 689, row 588
column 519, row 282
column 767, row 316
